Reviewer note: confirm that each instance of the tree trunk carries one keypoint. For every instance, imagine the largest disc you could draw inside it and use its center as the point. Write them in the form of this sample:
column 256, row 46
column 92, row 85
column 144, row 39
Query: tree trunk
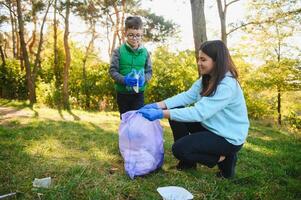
column 33, row 37
column 108, row 37
column 93, row 37
column 55, row 53
column 30, row 83
column 2, row 43
column 12, row 21
column 2, row 56
column 114, row 34
column 222, row 11
column 113, row 43
column 279, row 88
column 37, row 59
column 279, row 106
column 68, row 58
column 122, row 21
column 6, row 46
column 117, row 25
column 87, row 97
column 198, row 24
column 18, row 48
column 2, row 69
column 18, row 51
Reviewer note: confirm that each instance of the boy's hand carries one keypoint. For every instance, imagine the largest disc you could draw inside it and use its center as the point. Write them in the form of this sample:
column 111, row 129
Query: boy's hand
column 141, row 81
column 130, row 81
column 151, row 114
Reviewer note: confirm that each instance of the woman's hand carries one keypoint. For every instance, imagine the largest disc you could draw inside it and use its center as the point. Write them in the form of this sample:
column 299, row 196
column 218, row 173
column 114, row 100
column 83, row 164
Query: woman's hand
column 151, row 113
column 151, row 106
column 158, row 105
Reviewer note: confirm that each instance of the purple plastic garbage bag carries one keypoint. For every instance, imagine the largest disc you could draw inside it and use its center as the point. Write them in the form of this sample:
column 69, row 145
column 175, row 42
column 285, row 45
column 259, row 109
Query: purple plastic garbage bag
column 140, row 144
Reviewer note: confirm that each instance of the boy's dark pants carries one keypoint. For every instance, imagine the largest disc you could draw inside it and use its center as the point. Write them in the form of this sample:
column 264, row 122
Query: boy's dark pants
column 127, row 102
column 195, row 144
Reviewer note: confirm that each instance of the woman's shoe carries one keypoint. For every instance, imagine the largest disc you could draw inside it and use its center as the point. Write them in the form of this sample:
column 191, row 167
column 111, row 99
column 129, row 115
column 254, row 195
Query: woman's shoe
column 227, row 167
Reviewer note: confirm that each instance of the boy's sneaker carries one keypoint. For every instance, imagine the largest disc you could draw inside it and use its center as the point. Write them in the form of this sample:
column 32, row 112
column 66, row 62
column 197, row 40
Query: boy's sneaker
column 227, row 167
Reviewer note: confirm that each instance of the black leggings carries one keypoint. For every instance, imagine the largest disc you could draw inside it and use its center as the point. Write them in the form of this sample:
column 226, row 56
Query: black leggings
column 196, row 144
column 127, row 102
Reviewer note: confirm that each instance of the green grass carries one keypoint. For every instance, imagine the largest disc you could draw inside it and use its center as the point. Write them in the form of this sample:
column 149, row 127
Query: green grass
column 78, row 150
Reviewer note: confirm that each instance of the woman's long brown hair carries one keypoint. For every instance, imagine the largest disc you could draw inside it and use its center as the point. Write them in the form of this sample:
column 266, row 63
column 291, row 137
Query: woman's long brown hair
column 219, row 53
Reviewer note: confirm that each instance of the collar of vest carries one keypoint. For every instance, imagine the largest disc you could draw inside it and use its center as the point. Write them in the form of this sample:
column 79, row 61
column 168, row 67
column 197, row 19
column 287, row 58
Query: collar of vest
column 129, row 48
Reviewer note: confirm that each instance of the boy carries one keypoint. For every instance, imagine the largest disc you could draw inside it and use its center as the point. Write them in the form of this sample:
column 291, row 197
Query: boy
column 131, row 57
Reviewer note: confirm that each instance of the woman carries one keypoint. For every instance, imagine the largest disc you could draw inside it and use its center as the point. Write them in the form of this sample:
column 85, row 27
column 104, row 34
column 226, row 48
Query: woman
column 213, row 126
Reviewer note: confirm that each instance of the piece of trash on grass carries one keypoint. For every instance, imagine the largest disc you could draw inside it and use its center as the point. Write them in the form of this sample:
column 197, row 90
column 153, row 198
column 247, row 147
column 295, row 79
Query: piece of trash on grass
column 8, row 195
column 113, row 170
column 42, row 183
column 174, row 193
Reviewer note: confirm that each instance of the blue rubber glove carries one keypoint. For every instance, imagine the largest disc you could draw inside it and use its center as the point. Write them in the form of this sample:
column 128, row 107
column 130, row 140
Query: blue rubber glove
column 151, row 105
column 141, row 81
column 130, row 81
column 151, row 114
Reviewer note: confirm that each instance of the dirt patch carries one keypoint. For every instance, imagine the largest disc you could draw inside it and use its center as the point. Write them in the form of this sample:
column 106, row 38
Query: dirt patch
column 8, row 114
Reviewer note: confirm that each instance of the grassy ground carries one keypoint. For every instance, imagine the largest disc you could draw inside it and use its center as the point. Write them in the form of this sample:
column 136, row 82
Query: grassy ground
column 79, row 150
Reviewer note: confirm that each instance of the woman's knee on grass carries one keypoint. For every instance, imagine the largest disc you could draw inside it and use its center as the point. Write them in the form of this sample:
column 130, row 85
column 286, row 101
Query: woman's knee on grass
column 179, row 151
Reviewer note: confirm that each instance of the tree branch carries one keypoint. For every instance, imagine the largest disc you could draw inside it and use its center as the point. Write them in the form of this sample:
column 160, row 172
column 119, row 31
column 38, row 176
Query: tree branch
column 61, row 15
column 268, row 20
column 231, row 2
column 8, row 8
column 241, row 26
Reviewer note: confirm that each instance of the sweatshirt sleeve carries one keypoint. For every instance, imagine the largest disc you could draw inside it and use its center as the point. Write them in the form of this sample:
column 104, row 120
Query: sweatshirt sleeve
column 114, row 67
column 148, row 71
column 206, row 107
column 185, row 98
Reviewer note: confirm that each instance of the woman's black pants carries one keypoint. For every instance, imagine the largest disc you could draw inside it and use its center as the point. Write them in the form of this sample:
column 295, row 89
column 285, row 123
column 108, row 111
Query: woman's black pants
column 196, row 144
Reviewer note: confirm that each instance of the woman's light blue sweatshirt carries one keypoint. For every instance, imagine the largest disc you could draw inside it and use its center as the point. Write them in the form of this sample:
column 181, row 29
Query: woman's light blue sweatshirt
column 224, row 113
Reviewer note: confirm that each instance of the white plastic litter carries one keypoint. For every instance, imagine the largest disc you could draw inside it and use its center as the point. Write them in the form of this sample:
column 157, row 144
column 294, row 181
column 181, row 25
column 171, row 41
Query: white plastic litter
column 174, row 193
column 8, row 195
column 42, row 183
column 136, row 88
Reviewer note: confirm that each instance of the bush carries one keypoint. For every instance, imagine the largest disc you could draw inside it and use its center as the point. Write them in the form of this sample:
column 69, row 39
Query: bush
column 293, row 120
column 13, row 80
column 49, row 94
column 96, row 92
column 173, row 73
column 258, row 106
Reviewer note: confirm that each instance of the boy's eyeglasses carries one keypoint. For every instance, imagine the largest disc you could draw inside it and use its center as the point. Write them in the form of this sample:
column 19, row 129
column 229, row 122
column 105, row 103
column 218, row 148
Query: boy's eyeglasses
column 132, row 36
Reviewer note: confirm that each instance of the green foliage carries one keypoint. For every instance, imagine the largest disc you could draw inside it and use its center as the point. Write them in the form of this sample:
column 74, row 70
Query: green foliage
column 258, row 104
column 270, row 26
column 157, row 29
column 294, row 120
column 48, row 94
column 13, row 80
column 172, row 73
column 50, row 82
column 283, row 75
column 261, row 83
column 94, row 91
column 264, row 84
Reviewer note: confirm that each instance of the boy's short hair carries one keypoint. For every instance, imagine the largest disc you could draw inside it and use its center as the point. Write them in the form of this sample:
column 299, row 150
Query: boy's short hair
column 133, row 22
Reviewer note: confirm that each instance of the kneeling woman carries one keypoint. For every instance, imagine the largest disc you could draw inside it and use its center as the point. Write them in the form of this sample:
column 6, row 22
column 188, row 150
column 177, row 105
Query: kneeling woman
column 214, row 127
